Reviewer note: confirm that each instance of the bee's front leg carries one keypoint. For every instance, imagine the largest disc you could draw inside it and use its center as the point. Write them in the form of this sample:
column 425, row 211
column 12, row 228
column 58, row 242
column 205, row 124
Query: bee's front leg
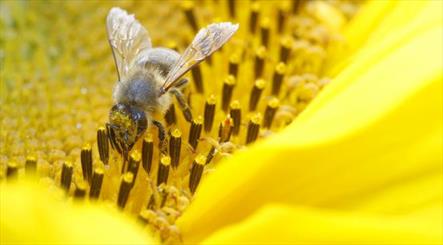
column 111, row 136
column 182, row 103
column 163, row 144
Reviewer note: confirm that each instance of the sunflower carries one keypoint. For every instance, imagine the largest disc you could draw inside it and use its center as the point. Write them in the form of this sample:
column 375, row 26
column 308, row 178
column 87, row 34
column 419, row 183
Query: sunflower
column 319, row 122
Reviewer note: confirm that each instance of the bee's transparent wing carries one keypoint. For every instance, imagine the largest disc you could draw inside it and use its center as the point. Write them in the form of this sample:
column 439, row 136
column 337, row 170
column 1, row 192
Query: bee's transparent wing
column 206, row 42
column 127, row 38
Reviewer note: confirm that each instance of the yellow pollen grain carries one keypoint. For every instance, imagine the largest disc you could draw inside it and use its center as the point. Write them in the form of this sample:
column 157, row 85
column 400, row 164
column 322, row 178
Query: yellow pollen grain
column 280, row 68
column 260, row 83
column 255, row 7
column 235, row 104
column 165, row 160
column 261, row 52
column 211, row 99
column 234, row 58
column 187, row 5
column 198, row 120
column 200, row 159
column 256, row 118
column 128, row 177
column 148, row 137
column 287, row 41
column 136, row 156
column 176, row 133
column 86, row 147
column 273, row 102
column 230, row 80
column 99, row 170
column 265, row 23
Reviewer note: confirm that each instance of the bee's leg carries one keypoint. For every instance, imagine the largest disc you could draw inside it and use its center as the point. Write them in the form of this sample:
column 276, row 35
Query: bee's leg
column 111, row 136
column 182, row 103
column 180, row 84
column 162, row 137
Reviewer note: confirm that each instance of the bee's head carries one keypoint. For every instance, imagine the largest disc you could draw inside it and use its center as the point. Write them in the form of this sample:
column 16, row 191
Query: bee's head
column 126, row 124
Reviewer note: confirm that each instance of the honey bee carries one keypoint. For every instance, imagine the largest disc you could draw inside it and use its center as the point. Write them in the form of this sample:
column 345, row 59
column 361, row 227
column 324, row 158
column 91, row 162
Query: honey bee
column 148, row 77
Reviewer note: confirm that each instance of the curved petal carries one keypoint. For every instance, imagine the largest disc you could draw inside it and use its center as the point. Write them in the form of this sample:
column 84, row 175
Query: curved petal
column 276, row 224
column 369, row 17
column 383, row 127
column 401, row 20
column 31, row 215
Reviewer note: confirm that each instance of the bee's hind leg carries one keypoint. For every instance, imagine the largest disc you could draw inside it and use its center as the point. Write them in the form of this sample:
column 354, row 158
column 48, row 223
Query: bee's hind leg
column 163, row 144
column 182, row 103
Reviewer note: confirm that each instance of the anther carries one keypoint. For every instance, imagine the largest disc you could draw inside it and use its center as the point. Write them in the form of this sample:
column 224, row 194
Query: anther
column 277, row 79
column 256, row 92
column 209, row 113
column 170, row 116
column 103, row 145
column 235, row 113
column 80, row 189
column 253, row 18
column 96, row 183
column 228, row 87
column 163, row 170
column 296, row 4
column 282, row 16
column 134, row 164
column 125, row 189
column 234, row 60
column 270, row 111
column 231, row 6
column 225, row 130
column 253, row 128
column 86, row 161
column 31, row 165
column 196, row 172
column 188, row 7
column 195, row 132
column 210, row 155
column 147, row 152
column 146, row 216
column 285, row 49
column 259, row 62
column 66, row 176
column 12, row 170
column 197, row 77
column 151, row 202
column 264, row 29
column 175, row 144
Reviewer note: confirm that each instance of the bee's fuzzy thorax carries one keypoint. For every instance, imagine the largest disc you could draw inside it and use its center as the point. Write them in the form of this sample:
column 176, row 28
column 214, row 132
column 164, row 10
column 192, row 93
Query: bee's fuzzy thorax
column 141, row 88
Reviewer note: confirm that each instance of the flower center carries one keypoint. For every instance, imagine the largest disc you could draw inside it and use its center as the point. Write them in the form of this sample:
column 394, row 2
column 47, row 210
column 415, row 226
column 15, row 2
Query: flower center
column 261, row 80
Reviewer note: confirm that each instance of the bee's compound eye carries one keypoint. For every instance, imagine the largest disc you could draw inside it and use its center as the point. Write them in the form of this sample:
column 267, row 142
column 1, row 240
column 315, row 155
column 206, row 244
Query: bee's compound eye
column 139, row 117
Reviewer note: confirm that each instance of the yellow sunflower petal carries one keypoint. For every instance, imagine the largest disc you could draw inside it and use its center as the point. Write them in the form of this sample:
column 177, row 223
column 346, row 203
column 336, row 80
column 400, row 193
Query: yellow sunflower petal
column 275, row 224
column 368, row 18
column 395, row 197
column 30, row 214
column 407, row 19
column 385, row 125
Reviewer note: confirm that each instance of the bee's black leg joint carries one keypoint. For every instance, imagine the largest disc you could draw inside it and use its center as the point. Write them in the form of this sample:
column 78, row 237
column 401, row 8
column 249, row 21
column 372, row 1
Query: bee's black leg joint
column 161, row 136
column 182, row 103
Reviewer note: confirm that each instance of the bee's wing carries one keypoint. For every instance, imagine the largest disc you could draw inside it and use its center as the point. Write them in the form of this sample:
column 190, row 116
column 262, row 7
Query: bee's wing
column 127, row 38
column 206, row 42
